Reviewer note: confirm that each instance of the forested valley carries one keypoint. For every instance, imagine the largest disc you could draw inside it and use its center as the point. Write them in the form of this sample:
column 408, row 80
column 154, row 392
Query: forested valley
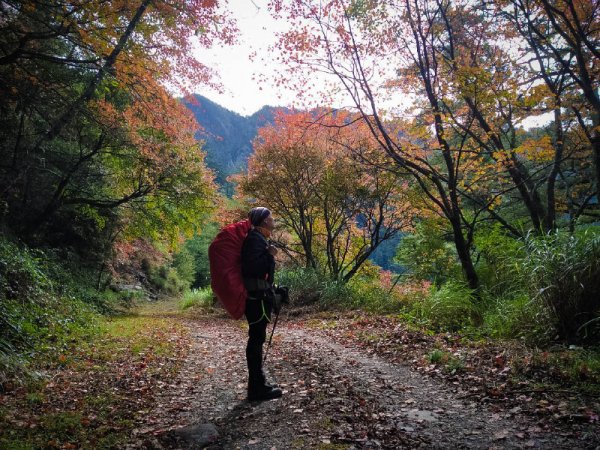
column 439, row 233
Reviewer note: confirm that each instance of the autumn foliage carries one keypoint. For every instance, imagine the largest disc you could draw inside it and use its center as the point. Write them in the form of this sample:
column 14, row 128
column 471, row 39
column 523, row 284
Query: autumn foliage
column 308, row 168
column 447, row 90
column 92, row 139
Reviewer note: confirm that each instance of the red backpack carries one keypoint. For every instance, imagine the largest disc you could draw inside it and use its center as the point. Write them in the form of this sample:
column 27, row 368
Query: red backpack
column 225, row 258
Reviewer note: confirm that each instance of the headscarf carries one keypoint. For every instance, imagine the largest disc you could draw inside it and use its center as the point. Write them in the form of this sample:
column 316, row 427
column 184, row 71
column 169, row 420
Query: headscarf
column 257, row 215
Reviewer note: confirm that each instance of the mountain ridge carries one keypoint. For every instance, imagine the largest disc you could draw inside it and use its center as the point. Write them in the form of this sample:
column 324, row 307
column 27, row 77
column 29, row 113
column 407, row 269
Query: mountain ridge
column 227, row 135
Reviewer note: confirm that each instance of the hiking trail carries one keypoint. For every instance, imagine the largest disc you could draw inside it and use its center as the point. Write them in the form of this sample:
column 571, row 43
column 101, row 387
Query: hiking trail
column 335, row 396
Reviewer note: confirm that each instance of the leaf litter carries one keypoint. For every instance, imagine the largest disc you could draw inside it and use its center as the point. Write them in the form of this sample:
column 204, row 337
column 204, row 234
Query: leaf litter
column 350, row 381
column 358, row 383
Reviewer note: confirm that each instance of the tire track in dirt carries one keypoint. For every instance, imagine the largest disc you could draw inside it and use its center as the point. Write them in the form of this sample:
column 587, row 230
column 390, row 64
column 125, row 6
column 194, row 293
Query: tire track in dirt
column 423, row 407
column 334, row 397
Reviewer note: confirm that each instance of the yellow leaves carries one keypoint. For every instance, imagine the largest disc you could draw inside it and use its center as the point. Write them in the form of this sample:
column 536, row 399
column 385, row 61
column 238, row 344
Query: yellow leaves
column 496, row 202
column 538, row 150
column 537, row 95
column 472, row 81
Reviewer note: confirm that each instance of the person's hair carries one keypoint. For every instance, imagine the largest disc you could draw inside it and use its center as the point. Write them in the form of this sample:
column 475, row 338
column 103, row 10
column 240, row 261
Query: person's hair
column 257, row 215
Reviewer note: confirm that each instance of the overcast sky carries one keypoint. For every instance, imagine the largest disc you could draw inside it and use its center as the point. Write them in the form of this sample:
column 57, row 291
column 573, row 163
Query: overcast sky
column 237, row 71
column 257, row 31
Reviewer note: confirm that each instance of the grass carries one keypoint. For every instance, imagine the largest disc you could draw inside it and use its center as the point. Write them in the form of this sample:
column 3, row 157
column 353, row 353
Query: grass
column 564, row 275
column 450, row 363
column 197, row 298
column 92, row 391
column 437, row 356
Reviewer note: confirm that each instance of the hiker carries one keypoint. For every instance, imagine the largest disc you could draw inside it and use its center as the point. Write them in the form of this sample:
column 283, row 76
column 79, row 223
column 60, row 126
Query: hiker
column 258, row 268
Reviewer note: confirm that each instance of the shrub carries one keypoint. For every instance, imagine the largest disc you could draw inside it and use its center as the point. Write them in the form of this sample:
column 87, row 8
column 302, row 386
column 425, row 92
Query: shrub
column 372, row 292
column 306, row 285
column 21, row 273
column 120, row 300
column 336, row 293
column 500, row 267
column 448, row 308
column 36, row 315
column 403, row 291
column 563, row 272
column 426, row 255
column 167, row 280
column 184, row 264
column 376, row 295
column 198, row 249
column 174, row 285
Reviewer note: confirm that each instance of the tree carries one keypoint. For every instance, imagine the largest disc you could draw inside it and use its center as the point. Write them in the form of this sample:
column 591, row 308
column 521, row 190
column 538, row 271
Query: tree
column 460, row 137
column 88, row 127
column 304, row 168
column 563, row 41
column 338, row 49
column 568, row 34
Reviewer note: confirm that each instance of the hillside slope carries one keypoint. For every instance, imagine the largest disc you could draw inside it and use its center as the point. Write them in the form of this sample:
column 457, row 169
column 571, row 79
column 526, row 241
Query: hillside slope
column 228, row 136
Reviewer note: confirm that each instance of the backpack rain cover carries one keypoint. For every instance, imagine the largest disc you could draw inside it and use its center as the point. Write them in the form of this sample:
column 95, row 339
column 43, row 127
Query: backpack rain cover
column 225, row 258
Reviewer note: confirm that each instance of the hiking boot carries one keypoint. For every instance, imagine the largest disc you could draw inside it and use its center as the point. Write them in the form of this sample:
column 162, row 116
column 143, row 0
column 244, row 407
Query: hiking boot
column 263, row 393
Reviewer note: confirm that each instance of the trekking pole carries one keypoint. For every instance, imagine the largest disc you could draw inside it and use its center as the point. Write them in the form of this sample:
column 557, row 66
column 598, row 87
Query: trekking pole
column 271, row 338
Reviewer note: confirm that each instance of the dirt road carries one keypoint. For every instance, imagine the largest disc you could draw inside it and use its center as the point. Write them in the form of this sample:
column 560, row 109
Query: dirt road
column 335, row 397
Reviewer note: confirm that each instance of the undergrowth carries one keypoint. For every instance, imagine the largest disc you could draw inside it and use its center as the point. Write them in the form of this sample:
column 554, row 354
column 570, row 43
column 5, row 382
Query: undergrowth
column 109, row 372
column 197, row 298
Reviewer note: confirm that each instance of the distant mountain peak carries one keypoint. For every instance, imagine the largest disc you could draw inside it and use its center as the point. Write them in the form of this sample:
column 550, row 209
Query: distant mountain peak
column 228, row 135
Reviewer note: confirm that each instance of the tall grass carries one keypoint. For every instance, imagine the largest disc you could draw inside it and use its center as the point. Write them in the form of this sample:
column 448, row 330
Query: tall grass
column 197, row 298
column 372, row 291
column 448, row 308
column 538, row 289
column 563, row 273
column 309, row 287
column 517, row 316
column 306, row 285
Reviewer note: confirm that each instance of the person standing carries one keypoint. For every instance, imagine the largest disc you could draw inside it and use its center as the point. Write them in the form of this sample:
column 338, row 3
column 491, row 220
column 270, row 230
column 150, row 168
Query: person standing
column 258, row 270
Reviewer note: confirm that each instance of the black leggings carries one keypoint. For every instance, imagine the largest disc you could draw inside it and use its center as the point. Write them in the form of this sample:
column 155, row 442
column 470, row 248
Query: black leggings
column 258, row 315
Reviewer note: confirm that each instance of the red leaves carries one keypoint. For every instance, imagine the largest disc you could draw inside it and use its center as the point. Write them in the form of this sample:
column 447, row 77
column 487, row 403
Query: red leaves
column 309, row 169
column 499, row 360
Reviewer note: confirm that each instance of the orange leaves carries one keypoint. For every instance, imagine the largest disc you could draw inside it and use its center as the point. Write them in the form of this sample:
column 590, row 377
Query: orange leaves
column 311, row 169
column 163, row 41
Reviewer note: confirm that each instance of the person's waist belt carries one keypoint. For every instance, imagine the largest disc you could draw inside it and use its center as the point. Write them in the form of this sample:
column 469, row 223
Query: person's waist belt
column 256, row 284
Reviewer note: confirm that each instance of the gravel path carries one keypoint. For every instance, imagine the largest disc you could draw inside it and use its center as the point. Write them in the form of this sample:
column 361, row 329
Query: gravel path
column 335, row 397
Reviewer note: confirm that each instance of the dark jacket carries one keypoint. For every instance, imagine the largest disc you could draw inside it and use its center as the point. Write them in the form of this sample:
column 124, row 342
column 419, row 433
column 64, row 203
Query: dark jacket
column 257, row 262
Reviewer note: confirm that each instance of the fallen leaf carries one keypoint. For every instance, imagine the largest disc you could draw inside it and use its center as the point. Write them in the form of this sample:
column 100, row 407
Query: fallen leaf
column 501, row 434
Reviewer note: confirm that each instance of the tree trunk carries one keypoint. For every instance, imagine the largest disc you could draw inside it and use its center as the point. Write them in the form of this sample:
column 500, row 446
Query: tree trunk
column 550, row 218
column 464, row 254
column 596, row 146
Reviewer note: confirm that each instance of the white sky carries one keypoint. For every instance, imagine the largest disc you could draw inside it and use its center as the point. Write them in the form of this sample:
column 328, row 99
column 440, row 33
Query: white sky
column 243, row 94
column 237, row 71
